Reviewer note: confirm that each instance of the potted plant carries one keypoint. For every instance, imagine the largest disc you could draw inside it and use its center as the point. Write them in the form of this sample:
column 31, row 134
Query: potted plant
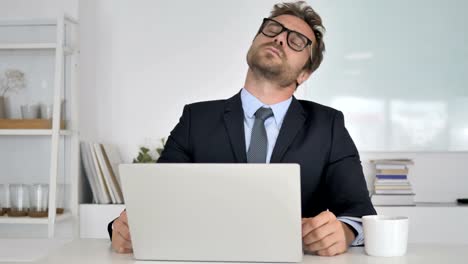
column 11, row 83
column 160, row 149
column 145, row 156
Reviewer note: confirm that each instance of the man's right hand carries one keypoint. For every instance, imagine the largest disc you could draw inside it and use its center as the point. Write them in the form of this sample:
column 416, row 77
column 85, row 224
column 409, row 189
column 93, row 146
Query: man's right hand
column 121, row 240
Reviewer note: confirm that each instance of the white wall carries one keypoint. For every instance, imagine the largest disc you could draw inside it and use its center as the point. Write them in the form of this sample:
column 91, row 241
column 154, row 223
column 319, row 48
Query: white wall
column 141, row 61
column 397, row 71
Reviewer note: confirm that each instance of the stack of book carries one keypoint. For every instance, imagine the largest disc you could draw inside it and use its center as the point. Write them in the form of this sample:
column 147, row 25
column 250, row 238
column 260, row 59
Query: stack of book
column 100, row 163
column 391, row 185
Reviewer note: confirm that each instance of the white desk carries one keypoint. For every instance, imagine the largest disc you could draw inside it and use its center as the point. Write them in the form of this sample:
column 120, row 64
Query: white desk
column 99, row 251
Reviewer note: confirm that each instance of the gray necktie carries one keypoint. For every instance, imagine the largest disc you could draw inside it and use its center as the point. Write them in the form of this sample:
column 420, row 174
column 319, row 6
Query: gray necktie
column 259, row 141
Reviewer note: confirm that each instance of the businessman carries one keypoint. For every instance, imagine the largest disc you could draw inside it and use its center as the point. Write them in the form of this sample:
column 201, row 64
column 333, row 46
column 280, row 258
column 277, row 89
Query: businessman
column 265, row 123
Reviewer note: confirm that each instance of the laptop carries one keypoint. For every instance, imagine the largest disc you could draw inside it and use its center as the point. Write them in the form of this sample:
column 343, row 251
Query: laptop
column 214, row 212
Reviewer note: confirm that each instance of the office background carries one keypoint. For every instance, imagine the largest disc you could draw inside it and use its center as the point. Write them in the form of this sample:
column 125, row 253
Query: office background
column 142, row 61
column 397, row 69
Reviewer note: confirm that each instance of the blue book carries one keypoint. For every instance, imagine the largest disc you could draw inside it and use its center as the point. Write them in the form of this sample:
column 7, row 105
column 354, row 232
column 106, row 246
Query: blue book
column 392, row 177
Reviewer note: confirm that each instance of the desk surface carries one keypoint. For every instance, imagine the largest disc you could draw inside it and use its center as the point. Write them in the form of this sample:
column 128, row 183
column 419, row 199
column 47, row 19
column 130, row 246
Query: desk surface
column 99, row 251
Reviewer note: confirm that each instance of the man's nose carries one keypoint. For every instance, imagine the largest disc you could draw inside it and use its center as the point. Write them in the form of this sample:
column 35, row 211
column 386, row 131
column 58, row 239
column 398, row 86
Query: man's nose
column 281, row 38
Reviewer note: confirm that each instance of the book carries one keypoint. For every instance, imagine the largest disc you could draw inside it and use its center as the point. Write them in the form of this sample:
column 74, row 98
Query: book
column 390, row 167
column 103, row 192
column 392, row 199
column 105, row 174
column 88, row 159
column 393, row 161
column 113, row 156
column 111, row 174
column 396, row 177
column 393, row 187
column 87, row 170
column 392, row 172
column 391, row 182
column 397, row 191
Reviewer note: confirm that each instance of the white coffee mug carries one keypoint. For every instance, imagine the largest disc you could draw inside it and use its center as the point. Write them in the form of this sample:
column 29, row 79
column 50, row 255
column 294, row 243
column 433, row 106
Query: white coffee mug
column 385, row 236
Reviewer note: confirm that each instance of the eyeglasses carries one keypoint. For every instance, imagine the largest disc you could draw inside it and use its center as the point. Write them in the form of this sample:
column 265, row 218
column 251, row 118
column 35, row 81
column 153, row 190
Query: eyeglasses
column 296, row 41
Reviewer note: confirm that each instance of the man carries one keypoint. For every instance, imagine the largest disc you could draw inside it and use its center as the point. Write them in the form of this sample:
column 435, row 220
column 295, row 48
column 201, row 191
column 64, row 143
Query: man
column 265, row 123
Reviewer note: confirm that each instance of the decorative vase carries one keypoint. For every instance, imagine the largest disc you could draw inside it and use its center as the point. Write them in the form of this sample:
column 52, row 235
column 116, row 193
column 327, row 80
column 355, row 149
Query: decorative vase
column 2, row 107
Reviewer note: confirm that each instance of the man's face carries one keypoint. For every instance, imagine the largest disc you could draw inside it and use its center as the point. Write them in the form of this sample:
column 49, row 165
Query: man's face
column 272, row 58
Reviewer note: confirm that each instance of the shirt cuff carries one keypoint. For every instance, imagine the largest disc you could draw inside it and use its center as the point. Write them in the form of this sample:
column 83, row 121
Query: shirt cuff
column 355, row 223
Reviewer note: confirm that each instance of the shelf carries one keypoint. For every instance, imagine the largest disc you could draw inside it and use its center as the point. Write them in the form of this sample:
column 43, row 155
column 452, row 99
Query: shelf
column 13, row 46
column 35, row 46
column 26, row 23
column 425, row 205
column 32, row 132
column 28, row 124
column 55, row 40
column 33, row 221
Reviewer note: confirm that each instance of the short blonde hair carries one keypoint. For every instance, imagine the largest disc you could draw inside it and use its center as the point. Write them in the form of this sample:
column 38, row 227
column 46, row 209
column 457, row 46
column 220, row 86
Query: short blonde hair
column 305, row 12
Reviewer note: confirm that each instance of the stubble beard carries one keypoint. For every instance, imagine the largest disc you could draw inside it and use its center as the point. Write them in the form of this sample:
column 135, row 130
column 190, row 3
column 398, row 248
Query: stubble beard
column 267, row 66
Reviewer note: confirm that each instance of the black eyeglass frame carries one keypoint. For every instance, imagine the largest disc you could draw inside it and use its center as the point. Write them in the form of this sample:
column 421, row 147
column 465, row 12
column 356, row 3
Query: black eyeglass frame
column 283, row 28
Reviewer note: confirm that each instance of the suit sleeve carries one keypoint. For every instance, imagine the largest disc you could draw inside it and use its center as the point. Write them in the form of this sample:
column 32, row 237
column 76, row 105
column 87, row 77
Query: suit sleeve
column 109, row 228
column 347, row 190
column 177, row 148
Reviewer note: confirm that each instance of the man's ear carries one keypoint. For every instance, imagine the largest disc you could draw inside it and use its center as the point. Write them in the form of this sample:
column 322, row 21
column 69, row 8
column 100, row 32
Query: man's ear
column 303, row 76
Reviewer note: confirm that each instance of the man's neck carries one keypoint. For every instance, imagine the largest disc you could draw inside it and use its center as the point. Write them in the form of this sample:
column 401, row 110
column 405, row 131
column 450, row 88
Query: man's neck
column 266, row 91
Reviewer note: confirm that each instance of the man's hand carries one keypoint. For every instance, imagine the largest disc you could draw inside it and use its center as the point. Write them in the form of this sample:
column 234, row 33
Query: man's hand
column 121, row 240
column 325, row 235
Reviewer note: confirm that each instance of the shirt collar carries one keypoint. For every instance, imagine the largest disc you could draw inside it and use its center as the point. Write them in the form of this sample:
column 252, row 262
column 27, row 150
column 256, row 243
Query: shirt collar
column 251, row 104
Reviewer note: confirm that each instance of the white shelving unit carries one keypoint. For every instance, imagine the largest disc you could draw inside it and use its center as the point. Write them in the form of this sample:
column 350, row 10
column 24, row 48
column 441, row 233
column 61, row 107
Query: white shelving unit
column 65, row 49
column 31, row 46
column 32, row 132
column 29, row 220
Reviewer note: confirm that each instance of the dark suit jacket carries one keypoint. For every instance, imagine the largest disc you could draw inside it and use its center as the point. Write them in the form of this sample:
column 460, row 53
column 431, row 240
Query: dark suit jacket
column 311, row 135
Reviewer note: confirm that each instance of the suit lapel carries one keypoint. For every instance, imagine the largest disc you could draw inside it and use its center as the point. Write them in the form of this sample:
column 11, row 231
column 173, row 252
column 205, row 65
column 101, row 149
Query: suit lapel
column 234, row 122
column 293, row 122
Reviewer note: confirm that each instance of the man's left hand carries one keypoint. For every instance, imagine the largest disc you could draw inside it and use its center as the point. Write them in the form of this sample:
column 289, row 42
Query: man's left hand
column 325, row 235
